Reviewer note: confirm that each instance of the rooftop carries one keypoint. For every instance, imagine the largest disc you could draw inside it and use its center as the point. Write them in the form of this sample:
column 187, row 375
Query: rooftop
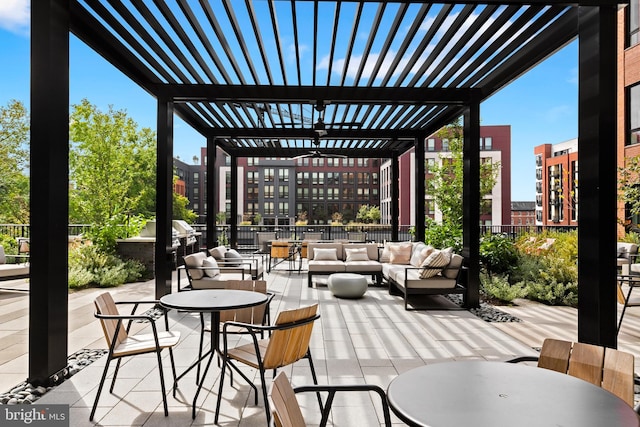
column 368, row 340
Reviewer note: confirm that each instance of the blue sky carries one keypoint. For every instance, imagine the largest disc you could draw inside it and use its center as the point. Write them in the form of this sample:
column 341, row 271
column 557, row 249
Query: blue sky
column 540, row 106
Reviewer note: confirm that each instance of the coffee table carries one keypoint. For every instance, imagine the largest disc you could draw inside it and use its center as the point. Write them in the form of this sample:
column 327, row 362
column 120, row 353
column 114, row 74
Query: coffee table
column 210, row 301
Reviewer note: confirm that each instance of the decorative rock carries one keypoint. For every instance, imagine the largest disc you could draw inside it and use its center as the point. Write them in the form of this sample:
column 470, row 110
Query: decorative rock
column 26, row 393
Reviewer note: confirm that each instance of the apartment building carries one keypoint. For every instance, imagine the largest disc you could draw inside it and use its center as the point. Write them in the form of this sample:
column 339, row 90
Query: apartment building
column 495, row 146
column 557, row 183
column 283, row 190
column 523, row 213
column 628, row 144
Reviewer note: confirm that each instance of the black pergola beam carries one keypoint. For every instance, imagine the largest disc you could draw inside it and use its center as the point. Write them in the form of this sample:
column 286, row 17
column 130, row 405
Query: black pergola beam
column 311, row 94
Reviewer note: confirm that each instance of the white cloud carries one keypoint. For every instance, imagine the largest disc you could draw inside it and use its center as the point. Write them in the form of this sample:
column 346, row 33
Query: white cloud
column 15, row 15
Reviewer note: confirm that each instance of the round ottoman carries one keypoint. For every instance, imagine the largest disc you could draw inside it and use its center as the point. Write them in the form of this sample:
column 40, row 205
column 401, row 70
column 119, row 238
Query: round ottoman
column 347, row 285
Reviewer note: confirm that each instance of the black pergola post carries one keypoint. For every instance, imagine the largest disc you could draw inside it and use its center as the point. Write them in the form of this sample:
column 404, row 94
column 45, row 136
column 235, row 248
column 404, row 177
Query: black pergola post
column 49, row 177
column 419, row 189
column 597, row 189
column 234, row 202
column 395, row 196
column 212, row 193
column 164, row 253
column 471, row 202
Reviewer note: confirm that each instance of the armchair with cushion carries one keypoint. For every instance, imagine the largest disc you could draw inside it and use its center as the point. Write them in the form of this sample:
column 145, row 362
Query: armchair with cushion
column 251, row 264
column 203, row 272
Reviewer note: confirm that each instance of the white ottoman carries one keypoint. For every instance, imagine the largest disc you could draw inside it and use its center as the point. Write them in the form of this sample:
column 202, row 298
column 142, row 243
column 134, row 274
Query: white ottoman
column 347, row 285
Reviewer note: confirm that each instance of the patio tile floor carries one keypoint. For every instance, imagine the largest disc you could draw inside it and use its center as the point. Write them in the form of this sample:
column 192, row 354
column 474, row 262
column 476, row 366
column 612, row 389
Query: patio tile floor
column 369, row 340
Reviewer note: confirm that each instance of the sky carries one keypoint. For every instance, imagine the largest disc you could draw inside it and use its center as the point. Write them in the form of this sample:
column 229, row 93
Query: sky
column 541, row 106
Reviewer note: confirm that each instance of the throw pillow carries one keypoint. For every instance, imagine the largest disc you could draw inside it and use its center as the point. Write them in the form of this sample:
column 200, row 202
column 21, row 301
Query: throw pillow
column 211, row 265
column 328, row 254
column 232, row 258
column 434, row 264
column 400, row 254
column 358, row 254
column 218, row 252
column 452, row 269
column 385, row 256
column 193, row 262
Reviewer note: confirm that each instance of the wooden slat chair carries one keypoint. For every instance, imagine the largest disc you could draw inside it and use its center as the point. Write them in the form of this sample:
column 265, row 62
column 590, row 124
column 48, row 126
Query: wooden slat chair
column 288, row 343
column 121, row 344
column 257, row 315
column 611, row 369
column 286, row 410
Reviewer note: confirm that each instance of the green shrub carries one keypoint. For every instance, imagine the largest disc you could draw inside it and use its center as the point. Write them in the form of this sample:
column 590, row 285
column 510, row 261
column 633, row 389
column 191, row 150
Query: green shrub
column 498, row 286
column 631, row 237
column 443, row 235
column 553, row 293
column 498, row 255
column 91, row 265
column 548, row 275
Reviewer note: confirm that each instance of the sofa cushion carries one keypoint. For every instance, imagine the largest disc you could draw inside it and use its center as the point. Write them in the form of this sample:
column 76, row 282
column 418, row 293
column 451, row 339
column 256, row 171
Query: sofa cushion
column 356, row 254
column 434, row 264
column 218, row 252
column 400, row 253
column 420, row 253
column 232, row 258
column 212, row 267
column 193, row 263
column 325, row 254
column 451, row 270
column 386, row 251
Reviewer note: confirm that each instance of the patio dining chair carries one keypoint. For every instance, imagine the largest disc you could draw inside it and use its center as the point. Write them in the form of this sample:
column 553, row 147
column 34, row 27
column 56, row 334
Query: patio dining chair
column 611, row 369
column 256, row 315
column 286, row 410
column 624, row 301
column 288, row 343
column 121, row 344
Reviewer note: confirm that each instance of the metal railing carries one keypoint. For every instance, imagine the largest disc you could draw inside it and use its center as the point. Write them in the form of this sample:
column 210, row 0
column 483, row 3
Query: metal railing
column 247, row 234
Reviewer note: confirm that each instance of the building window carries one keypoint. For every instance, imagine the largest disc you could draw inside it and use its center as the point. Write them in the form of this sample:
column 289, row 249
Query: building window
column 633, row 107
column 196, row 177
column 445, row 145
column 488, row 143
column 283, row 175
column 269, row 174
column 431, row 144
column 283, row 191
column 633, row 23
column 268, row 191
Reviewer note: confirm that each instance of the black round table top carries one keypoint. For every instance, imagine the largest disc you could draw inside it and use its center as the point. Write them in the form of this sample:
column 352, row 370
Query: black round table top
column 212, row 300
column 496, row 394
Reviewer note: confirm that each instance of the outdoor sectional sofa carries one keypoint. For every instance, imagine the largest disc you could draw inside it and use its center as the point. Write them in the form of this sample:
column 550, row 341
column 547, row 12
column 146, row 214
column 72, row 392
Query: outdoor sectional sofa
column 12, row 271
column 414, row 268
column 410, row 268
column 326, row 258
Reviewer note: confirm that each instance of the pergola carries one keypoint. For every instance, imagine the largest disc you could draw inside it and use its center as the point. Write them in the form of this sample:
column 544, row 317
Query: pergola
column 282, row 78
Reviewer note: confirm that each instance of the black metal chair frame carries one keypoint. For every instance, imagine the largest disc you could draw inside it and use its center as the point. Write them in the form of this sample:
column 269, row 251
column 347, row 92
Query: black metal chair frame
column 254, row 331
column 131, row 317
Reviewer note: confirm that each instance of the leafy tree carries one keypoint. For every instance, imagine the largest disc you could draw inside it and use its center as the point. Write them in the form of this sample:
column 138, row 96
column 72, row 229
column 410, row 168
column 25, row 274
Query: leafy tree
column 14, row 163
column 629, row 184
column 446, row 179
column 368, row 214
column 112, row 168
column 180, row 210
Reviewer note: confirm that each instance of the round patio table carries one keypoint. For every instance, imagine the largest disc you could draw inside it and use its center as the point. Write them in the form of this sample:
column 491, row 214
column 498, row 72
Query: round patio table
column 497, row 394
column 210, row 301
